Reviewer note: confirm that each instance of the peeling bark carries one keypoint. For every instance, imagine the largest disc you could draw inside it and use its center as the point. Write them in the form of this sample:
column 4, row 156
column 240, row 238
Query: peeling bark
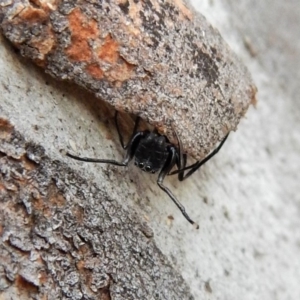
column 156, row 59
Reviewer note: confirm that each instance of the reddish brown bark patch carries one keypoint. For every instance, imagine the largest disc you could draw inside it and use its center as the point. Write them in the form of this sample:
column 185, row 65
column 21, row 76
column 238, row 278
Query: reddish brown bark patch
column 109, row 52
column 81, row 30
column 95, row 70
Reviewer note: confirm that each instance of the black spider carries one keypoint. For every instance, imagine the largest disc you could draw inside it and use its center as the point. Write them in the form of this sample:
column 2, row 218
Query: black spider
column 153, row 152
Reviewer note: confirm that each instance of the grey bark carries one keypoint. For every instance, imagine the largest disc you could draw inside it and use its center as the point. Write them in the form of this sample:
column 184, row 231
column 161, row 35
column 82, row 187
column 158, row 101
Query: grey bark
column 246, row 199
column 64, row 238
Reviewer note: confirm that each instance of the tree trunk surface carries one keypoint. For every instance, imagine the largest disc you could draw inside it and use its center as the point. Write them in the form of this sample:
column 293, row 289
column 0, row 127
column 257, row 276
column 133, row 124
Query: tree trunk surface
column 74, row 230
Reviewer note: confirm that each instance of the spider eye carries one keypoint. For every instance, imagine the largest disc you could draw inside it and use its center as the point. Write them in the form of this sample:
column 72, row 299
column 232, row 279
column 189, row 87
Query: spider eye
column 135, row 163
column 152, row 171
column 141, row 165
column 148, row 168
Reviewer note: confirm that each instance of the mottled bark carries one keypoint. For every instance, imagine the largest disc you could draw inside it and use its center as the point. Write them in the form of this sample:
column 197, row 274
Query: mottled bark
column 156, row 59
column 246, row 200
column 62, row 237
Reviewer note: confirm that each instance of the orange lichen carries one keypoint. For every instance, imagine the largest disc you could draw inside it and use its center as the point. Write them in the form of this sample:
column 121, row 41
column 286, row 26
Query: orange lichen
column 95, row 71
column 109, row 52
column 82, row 30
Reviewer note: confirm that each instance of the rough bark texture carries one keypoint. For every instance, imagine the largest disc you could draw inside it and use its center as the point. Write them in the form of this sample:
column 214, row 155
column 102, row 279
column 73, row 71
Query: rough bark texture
column 156, row 59
column 64, row 238
column 246, row 200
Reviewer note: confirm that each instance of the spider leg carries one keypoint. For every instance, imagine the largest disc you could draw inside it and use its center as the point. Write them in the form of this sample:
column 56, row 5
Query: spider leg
column 131, row 148
column 137, row 121
column 170, row 162
column 194, row 167
column 180, row 159
column 181, row 167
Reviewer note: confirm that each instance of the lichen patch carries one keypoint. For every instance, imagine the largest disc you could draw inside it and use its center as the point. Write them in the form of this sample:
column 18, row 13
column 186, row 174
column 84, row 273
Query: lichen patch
column 109, row 51
column 82, row 30
column 95, row 71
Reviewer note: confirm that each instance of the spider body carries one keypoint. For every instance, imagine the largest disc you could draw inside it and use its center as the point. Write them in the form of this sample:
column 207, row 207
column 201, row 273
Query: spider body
column 153, row 153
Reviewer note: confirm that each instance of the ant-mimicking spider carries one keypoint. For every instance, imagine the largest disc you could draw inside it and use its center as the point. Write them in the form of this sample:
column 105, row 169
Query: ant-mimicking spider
column 153, row 152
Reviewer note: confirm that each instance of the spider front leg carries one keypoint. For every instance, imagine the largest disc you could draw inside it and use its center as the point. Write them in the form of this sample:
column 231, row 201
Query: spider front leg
column 169, row 164
column 131, row 147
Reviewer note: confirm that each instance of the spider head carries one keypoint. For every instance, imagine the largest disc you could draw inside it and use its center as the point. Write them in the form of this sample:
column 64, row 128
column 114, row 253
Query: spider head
column 145, row 166
column 151, row 153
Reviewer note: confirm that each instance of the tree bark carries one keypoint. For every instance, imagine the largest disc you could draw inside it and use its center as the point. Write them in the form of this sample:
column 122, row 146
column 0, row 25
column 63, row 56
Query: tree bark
column 62, row 221
column 64, row 238
column 162, row 62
